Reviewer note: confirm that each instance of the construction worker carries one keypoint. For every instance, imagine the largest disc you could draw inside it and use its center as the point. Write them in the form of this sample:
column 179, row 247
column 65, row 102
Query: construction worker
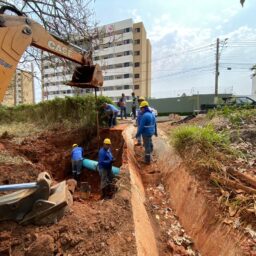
column 105, row 169
column 139, row 115
column 122, row 105
column 76, row 160
column 147, row 129
column 134, row 105
column 111, row 112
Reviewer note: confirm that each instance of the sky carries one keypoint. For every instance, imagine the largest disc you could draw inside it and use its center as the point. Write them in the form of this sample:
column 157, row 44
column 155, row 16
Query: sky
column 183, row 35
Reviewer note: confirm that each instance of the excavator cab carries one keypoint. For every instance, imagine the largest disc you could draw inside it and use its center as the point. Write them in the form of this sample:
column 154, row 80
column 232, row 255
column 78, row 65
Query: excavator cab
column 87, row 77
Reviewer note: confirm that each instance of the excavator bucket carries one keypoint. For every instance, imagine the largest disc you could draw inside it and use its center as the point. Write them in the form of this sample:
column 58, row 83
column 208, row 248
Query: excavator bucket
column 87, row 77
column 38, row 202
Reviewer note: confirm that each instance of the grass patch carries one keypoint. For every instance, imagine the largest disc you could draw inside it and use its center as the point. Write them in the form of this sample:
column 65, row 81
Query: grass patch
column 204, row 137
column 201, row 146
column 6, row 158
column 19, row 129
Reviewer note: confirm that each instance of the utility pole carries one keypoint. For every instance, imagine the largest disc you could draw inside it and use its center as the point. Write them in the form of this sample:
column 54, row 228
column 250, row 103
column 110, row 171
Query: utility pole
column 217, row 70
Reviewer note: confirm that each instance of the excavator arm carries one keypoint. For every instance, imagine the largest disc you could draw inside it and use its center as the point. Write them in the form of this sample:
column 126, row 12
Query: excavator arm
column 19, row 32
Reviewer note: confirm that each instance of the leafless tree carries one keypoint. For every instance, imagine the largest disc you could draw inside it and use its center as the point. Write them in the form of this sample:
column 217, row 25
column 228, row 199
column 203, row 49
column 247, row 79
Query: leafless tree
column 71, row 20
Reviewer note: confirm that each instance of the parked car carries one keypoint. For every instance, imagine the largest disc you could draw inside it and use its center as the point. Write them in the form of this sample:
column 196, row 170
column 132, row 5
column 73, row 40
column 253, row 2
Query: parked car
column 235, row 101
column 239, row 101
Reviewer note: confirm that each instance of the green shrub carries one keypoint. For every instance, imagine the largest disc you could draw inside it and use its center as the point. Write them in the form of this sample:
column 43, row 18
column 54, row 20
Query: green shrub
column 236, row 116
column 76, row 110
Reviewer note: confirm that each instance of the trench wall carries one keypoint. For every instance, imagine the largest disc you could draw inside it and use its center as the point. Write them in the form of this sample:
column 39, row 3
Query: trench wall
column 196, row 212
column 144, row 234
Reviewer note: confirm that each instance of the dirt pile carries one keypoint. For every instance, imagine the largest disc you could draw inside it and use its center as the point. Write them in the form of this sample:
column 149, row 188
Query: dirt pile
column 93, row 227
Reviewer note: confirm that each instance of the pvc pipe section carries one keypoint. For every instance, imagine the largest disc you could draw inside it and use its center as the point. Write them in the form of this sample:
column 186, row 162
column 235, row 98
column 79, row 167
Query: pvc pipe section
column 18, row 186
column 92, row 166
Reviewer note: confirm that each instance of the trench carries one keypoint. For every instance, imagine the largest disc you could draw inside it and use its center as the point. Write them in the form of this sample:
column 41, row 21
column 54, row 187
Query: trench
column 185, row 197
column 92, row 178
column 162, row 197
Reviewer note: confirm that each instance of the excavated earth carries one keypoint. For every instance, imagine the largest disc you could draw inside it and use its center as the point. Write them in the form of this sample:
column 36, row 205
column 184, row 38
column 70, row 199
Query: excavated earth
column 159, row 209
column 93, row 226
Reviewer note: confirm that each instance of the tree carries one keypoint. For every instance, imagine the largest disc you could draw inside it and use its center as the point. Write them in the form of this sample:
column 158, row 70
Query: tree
column 242, row 2
column 70, row 20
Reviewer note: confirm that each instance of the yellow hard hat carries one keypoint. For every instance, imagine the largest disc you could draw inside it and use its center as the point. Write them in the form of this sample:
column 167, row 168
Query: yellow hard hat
column 144, row 104
column 141, row 98
column 107, row 141
column 74, row 145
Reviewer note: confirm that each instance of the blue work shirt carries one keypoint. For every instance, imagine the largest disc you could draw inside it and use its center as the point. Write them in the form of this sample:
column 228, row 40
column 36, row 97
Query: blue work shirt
column 139, row 116
column 147, row 125
column 105, row 158
column 140, row 113
column 111, row 107
column 77, row 153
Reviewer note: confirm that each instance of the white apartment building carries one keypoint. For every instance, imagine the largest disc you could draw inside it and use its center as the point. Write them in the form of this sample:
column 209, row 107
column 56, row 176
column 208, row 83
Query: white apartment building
column 124, row 54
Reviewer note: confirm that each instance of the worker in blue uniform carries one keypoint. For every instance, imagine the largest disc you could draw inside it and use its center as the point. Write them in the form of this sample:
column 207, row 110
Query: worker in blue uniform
column 76, row 160
column 147, row 129
column 111, row 112
column 139, row 115
column 105, row 162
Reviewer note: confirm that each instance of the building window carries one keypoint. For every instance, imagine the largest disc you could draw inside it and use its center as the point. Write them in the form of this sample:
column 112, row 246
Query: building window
column 136, row 87
column 126, row 30
column 119, row 65
column 120, row 54
column 137, row 76
column 126, row 75
column 127, row 53
column 137, row 30
column 128, row 41
column 126, row 87
column 119, row 43
column 136, row 53
column 136, row 64
column 126, row 64
column 137, row 41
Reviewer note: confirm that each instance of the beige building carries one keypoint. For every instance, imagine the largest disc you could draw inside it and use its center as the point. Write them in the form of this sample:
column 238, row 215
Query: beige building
column 20, row 90
column 141, row 61
column 124, row 54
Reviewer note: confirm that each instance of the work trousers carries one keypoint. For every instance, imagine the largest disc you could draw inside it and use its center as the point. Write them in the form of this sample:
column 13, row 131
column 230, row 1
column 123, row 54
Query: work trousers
column 148, row 145
column 134, row 112
column 106, row 177
column 76, row 167
column 123, row 111
column 112, row 119
column 106, row 183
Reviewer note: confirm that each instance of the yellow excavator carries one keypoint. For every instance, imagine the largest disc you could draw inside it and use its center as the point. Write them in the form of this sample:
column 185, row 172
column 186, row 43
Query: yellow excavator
column 17, row 32
column 40, row 202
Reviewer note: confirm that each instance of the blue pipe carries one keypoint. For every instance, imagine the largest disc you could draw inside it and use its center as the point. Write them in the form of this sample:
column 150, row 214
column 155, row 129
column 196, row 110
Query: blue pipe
column 92, row 166
column 18, row 186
